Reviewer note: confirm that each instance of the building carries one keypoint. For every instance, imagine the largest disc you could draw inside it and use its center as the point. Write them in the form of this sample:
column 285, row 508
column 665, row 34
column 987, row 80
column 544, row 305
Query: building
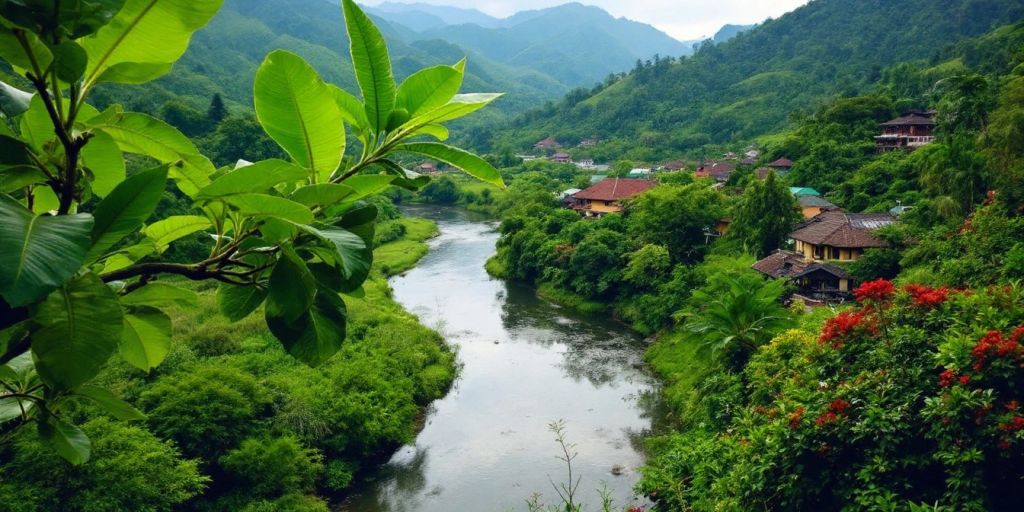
column 561, row 158
column 588, row 143
column 597, row 178
column 781, row 166
column 803, row 191
column 426, row 168
column 812, row 206
column 673, row 166
column 748, row 161
column 913, row 130
column 586, row 163
column 640, row 173
column 816, row 280
column 548, row 143
column 606, row 196
column 718, row 171
column 838, row 236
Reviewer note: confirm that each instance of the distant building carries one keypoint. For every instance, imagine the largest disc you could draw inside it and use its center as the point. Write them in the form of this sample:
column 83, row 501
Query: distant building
column 812, row 206
column 588, row 143
column 606, row 196
column 752, row 152
column 782, row 166
column 816, row 280
column 426, row 168
column 749, row 161
column 561, row 158
column 673, row 166
column 718, row 171
column 527, row 158
column 586, row 163
column 730, row 156
column 803, row 191
column 548, row 143
column 913, row 130
column 840, row 236
column 640, row 173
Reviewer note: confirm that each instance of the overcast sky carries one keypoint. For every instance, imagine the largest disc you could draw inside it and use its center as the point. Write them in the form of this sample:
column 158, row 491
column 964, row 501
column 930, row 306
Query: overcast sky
column 682, row 19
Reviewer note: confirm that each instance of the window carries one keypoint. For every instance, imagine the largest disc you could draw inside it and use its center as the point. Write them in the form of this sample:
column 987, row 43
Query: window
column 819, row 252
column 835, row 253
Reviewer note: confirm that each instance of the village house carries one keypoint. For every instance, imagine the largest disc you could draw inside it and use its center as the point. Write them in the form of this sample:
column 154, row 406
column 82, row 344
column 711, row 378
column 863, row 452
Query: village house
column 781, row 166
column 815, row 280
column 812, row 205
column 718, row 171
column 748, row 161
column 606, row 196
column 588, row 143
column 586, row 163
column 673, row 166
column 426, row 168
column 913, row 130
column 548, row 143
column 561, row 158
column 640, row 173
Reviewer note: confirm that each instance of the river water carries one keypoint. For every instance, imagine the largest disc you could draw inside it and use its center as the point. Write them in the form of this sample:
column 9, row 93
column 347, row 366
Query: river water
column 525, row 363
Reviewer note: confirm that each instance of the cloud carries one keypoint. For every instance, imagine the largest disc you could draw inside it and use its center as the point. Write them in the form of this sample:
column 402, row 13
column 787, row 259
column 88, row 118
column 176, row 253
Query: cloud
column 682, row 19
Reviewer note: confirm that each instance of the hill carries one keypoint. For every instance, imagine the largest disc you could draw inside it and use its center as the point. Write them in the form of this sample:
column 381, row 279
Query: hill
column 752, row 84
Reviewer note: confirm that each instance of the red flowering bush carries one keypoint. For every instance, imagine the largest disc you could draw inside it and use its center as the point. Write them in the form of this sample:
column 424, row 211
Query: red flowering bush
column 926, row 296
column 845, row 324
column 995, row 349
column 880, row 290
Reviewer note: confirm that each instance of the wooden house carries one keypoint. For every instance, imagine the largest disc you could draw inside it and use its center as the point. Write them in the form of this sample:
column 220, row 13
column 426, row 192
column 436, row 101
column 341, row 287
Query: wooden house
column 812, row 206
column 548, row 143
column 913, row 130
column 718, row 171
column 839, row 236
column 561, row 158
column 607, row 195
column 816, row 280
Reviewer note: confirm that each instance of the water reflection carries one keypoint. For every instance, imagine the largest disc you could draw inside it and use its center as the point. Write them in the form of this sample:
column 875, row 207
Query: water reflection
column 525, row 363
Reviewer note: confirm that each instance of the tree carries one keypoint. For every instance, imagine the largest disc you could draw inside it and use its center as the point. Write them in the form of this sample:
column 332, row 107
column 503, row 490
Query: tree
column 765, row 216
column 80, row 251
column 217, row 111
column 676, row 217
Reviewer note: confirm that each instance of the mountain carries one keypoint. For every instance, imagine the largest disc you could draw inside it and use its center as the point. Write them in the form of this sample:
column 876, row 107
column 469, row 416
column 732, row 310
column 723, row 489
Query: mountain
column 573, row 43
column 730, row 31
column 752, row 84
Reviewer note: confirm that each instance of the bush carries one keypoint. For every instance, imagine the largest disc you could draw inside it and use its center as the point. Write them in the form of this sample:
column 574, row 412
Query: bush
column 273, row 467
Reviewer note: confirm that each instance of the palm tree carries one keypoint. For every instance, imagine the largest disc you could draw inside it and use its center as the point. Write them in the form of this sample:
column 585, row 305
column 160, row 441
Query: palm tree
column 735, row 316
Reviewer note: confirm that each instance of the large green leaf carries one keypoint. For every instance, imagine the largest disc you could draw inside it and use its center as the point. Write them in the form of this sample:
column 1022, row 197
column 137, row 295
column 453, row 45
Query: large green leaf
column 322, row 194
column 144, row 135
column 356, row 256
column 15, row 156
column 66, row 439
column 298, row 111
column 351, row 108
column 368, row 185
column 460, row 106
column 125, row 209
column 428, row 89
column 473, row 165
column 263, row 205
column 78, row 328
column 372, row 65
column 13, row 101
column 161, row 295
column 317, row 334
column 291, row 287
column 258, row 177
column 144, row 39
column 104, row 163
column 13, row 52
column 36, row 126
column 110, row 403
column 71, row 19
column 146, row 339
column 163, row 232
column 38, row 253
column 238, row 302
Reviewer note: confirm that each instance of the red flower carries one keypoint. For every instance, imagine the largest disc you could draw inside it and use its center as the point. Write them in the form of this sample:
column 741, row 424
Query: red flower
column 839, row 406
column 840, row 326
column 825, row 419
column 946, row 378
column 993, row 346
column 925, row 296
column 879, row 290
column 965, row 380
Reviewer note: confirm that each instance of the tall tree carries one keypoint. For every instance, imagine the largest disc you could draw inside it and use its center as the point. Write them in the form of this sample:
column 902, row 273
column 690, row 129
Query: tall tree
column 217, row 111
column 765, row 216
column 677, row 218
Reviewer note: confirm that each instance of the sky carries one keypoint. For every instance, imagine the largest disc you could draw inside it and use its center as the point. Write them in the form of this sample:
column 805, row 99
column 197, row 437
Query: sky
column 682, row 19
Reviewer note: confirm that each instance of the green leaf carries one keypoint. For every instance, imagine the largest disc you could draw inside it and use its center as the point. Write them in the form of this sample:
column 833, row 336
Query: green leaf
column 351, row 108
column 258, row 177
column 322, row 194
column 144, row 39
column 79, row 326
column 69, row 19
column 12, row 51
column 317, row 334
column 263, row 205
column 110, row 403
column 39, row 253
column 428, row 89
column 146, row 339
column 368, row 185
column 291, row 287
column 460, row 106
column 69, row 61
column 160, row 295
column 103, row 163
column 433, row 130
column 11, row 408
column 298, row 111
column 356, row 256
column 15, row 155
column 163, row 232
column 13, row 101
column 36, row 127
column 473, row 165
column 238, row 302
column 372, row 65
column 66, row 439
column 125, row 209
column 144, row 135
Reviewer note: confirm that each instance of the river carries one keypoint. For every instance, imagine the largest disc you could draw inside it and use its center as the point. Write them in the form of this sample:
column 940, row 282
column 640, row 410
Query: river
column 525, row 363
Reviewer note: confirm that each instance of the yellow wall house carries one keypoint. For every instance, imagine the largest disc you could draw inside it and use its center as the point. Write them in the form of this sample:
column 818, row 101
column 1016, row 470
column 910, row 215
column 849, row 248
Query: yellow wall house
column 607, row 196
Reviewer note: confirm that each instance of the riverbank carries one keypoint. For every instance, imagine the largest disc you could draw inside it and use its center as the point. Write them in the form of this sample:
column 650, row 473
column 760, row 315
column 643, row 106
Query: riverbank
column 236, row 423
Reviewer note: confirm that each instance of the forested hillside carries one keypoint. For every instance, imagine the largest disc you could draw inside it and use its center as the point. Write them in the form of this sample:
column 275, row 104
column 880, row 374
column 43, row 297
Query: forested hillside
column 753, row 84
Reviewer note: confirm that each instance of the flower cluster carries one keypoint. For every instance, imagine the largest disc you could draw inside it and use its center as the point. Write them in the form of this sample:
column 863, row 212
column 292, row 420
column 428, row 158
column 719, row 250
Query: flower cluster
column 842, row 325
column 994, row 346
column 880, row 290
column 795, row 417
column 948, row 377
column 926, row 296
column 836, row 409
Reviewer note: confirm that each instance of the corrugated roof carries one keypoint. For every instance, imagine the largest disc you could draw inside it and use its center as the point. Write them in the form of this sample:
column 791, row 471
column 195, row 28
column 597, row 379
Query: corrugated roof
column 803, row 191
column 615, row 189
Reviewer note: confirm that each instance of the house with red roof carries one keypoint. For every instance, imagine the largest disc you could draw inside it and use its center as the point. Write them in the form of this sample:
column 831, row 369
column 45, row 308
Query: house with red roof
column 718, row 171
column 562, row 158
column 607, row 196
column 909, row 132
column 548, row 143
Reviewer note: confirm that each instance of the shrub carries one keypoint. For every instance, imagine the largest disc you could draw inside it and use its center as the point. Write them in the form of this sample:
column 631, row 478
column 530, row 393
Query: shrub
column 273, row 467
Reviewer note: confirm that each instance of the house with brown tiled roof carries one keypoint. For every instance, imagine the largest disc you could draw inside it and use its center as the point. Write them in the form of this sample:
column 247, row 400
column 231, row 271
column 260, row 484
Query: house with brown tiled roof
column 909, row 132
column 718, row 171
column 675, row 165
column 812, row 206
column 840, row 236
column 606, row 196
column 562, row 158
column 548, row 143
column 813, row 279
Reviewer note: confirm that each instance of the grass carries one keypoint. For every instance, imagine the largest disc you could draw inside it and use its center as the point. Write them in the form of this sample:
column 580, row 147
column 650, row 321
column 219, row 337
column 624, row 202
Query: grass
column 496, row 268
column 401, row 255
column 550, row 292
column 680, row 362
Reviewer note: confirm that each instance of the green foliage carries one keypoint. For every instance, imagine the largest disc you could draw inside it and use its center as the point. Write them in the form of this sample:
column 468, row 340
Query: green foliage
column 678, row 218
column 764, row 217
column 296, row 234
column 273, row 467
